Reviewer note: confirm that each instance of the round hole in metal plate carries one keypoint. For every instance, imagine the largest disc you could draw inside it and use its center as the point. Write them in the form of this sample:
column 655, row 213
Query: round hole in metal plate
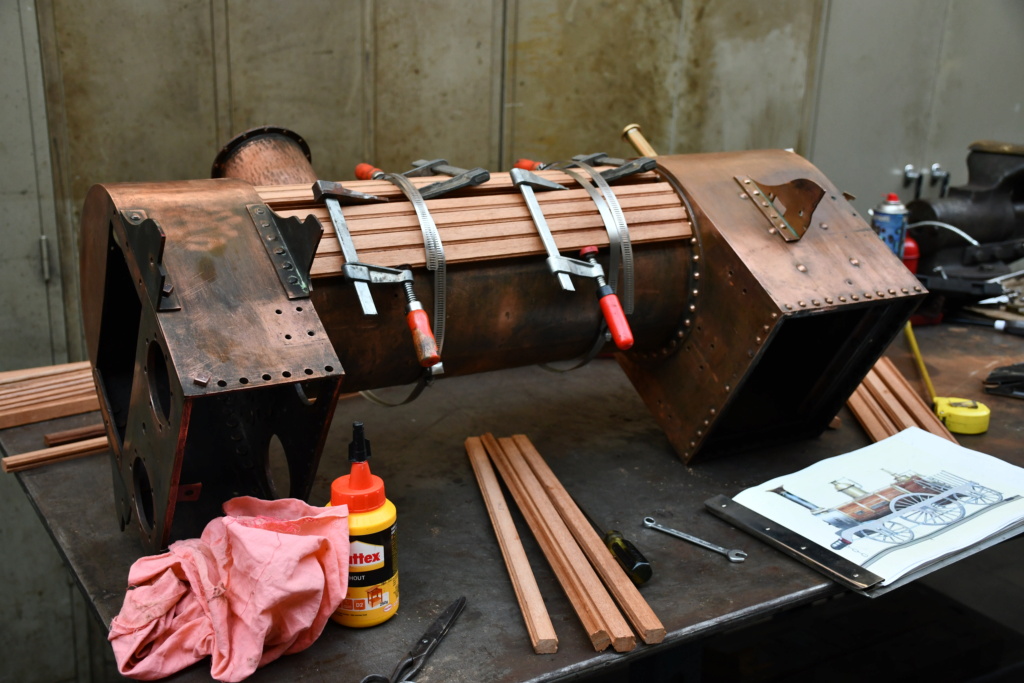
column 278, row 474
column 159, row 380
column 143, row 494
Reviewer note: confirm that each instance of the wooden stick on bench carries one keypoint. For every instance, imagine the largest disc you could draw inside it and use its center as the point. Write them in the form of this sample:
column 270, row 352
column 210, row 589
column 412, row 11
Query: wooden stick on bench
column 639, row 613
column 535, row 613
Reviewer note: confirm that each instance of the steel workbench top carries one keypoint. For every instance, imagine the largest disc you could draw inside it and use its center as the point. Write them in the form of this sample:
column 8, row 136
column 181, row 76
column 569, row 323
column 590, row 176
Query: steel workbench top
column 607, row 450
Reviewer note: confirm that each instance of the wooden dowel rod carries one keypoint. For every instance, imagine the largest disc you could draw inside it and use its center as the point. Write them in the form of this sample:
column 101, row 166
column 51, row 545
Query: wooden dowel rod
column 25, row 461
column 581, row 602
column 77, row 434
column 625, row 592
column 524, row 583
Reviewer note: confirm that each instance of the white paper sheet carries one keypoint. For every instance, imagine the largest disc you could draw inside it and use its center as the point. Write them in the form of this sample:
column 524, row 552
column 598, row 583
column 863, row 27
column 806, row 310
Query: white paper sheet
column 906, row 502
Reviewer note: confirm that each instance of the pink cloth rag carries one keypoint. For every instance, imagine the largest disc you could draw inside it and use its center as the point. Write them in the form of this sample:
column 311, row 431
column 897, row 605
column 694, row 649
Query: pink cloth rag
column 259, row 583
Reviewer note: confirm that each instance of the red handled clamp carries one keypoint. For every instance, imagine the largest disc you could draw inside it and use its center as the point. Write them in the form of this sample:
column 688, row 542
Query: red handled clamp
column 562, row 267
column 419, row 325
column 362, row 275
column 622, row 335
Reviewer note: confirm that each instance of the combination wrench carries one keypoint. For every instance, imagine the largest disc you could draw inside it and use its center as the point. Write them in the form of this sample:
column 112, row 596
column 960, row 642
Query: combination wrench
column 733, row 555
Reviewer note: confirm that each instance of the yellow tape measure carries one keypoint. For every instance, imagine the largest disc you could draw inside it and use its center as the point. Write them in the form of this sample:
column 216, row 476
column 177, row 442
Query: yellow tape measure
column 962, row 415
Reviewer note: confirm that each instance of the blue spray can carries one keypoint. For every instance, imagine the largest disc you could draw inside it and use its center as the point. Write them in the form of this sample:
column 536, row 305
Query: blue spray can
column 889, row 221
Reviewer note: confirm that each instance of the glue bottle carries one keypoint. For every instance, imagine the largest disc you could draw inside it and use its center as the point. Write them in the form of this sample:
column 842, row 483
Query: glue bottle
column 372, row 596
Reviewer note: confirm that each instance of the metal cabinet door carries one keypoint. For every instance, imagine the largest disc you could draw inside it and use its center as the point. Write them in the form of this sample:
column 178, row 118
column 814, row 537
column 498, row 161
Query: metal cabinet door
column 31, row 308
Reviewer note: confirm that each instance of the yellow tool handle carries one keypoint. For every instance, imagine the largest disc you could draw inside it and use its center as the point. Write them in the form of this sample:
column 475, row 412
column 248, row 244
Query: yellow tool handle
column 638, row 569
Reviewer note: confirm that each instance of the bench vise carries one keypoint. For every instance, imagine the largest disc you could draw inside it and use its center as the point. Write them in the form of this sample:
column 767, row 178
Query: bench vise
column 989, row 209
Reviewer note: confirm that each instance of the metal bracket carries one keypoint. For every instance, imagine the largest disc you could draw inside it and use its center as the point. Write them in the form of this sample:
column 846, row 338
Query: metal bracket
column 291, row 245
column 564, row 264
column 375, row 275
column 146, row 240
column 788, row 207
column 839, row 569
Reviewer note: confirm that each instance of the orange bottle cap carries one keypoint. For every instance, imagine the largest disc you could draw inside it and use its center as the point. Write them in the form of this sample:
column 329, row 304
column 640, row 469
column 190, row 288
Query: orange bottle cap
column 361, row 490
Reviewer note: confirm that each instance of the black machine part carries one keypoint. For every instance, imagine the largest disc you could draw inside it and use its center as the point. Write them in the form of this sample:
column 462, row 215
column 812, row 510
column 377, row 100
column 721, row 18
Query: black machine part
column 989, row 208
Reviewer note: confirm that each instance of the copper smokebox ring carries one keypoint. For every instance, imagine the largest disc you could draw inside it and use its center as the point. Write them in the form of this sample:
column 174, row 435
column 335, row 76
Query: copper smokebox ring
column 266, row 155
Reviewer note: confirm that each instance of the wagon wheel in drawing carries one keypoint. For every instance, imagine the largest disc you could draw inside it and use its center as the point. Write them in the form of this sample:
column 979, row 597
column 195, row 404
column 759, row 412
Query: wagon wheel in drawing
column 922, row 508
column 981, row 495
column 891, row 532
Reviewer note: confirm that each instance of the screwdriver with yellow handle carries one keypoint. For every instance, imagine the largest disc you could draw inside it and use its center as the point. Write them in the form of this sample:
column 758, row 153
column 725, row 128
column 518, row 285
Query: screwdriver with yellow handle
column 632, row 561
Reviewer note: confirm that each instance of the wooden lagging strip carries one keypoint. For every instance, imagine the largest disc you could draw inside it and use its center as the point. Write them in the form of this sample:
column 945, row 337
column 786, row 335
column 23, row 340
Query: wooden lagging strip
column 885, row 404
column 37, row 394
column 44, row 382
column 524, row 583
column 502, row 233
column 60, row 407
column 287, row 196
column 887, row 401
column 330, row 264
column 46, row 456
column 29, row 395
column 76, row 434
column 484, row 226
column 10, row 376
column 618, row 630
column 922, row 414
column 601, row 618
column 636, row 609
column 553, row 552
column 564, row 211
column 869, row 414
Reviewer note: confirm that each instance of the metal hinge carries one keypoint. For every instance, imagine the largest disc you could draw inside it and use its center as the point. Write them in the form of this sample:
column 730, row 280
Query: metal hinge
column 44, row 257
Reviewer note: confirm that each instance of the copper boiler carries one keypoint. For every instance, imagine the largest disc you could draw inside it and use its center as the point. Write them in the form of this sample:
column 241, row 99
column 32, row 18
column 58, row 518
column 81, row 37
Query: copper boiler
column 217, row 317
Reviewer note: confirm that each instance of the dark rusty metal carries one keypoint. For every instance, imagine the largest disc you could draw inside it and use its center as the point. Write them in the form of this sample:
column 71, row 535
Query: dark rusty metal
column 782, row 334
column 192, row 397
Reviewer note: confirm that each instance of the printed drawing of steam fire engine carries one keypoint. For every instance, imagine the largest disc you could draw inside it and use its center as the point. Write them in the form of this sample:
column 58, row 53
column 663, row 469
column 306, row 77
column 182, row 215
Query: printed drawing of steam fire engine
column 891, row 514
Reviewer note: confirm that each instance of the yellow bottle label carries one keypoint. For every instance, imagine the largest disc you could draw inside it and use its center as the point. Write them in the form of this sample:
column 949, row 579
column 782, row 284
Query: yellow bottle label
column 372, row 595
column 368, row 605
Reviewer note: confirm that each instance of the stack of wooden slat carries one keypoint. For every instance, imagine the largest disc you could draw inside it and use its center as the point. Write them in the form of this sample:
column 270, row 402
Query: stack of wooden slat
column 37, row 394
column 885, row 403
column 576, row 553
column 490, row 221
